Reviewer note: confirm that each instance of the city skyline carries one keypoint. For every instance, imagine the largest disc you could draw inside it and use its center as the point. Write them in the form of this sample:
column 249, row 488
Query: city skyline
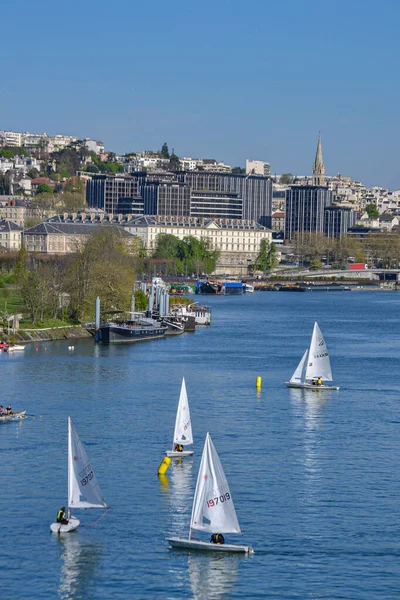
column 213, row 80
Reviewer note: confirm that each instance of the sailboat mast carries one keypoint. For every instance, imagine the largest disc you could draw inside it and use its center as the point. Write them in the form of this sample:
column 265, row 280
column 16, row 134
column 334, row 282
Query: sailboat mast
column 69, row 458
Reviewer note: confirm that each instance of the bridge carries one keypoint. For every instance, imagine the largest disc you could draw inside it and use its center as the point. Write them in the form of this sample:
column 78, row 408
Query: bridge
column 381, row 274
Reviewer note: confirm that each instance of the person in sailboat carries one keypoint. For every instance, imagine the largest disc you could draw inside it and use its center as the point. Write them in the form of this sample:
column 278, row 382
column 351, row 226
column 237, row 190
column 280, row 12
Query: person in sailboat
column 178, row 448
column 319, row 381
column 61, row 516
column 2, row 410
column 217, row 538
column 9, row 410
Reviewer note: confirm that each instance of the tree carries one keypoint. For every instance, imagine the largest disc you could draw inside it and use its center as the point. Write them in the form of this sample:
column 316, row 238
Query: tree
column 44, row 188
column 267, row 256
column 103, row 267
column 140, row 300
column 32, row 173
column 165, row 151
column 174, row 162
column 372, row 211
column 5, row 184
column 92, row 169
column 286, row 178
column 21, row 266
column 238, row 171
column 44, row 203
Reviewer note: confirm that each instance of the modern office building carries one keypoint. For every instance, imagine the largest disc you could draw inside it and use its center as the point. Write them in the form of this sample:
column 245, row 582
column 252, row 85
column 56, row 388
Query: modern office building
column 202, row 194
column 338, row 220
column 256, row 191
column 105, row 191
column 305, row 208
column 214, row 205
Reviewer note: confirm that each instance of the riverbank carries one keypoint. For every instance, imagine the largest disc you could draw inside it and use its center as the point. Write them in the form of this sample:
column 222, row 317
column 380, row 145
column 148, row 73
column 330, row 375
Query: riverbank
column 47, row 335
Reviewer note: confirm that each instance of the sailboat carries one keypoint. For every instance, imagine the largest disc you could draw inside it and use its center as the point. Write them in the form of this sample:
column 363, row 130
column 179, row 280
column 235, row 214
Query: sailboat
column 83, row 489
column 183, row 427
column 314, row 365
column 213, row 510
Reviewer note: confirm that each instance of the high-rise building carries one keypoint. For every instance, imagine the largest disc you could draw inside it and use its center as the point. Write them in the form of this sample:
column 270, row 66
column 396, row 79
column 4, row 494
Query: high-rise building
column 105, row 192
column 305, row 207
column 256, row 191
column 338, row 220
column 318, row 176
column 200, row 194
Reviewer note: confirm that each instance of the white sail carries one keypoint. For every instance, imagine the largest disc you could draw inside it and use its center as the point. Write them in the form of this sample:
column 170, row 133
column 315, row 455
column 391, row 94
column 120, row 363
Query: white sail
column 83, row 489
column 183, row 426
column 213, row 508
column 318, row 364
column 297, row 376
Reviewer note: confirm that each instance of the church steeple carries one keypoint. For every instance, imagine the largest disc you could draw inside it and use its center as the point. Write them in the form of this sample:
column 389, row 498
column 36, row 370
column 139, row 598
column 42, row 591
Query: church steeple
column 318, row 177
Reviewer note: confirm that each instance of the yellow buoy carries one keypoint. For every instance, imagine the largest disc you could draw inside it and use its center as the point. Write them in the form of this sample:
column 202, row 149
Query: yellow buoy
column 258, row 381
column 162, row 469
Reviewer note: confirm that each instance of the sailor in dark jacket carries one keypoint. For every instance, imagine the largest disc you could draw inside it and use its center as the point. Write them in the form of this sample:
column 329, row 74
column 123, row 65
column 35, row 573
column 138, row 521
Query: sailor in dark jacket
column 61, row 516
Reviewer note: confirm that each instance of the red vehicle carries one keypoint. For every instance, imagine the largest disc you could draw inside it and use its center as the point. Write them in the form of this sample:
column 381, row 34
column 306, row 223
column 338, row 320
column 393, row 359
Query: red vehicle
column 3, row 345
column 357, row 266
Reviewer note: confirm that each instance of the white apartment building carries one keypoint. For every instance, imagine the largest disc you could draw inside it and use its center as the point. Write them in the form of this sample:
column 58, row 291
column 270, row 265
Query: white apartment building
column 258, row 167
column 204, row 164
column 10, row 138
column 10, row 235
column 238, row 240
column 95, row 146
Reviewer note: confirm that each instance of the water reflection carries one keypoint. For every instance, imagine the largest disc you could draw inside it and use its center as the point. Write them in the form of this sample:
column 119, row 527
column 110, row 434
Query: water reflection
column 309, row 407
column 181, row 497
column 80, row 561
column 309, row 404
column 212, row 576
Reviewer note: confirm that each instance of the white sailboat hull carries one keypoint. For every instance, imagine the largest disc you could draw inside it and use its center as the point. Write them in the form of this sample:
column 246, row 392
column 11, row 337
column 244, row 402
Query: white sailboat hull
column 73, row 524
column 174, row 454
column 208, row 546
column 310, row 386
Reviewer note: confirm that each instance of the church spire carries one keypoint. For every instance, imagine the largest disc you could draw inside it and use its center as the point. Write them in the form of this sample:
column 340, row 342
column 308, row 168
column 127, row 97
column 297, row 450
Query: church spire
column 318, row 177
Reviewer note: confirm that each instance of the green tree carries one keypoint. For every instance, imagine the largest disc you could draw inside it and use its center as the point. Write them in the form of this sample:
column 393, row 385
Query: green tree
column 140, row 300
column 5, row 183
column 239, row 171
column 372, row 211
column 21, row 265
column 167, row 246
column 267, row 256
column 286, row 178
column 174, row 162
column 44, row 188
column 32, row 173
column 92, row 169
column 165, row 151
column 103, row 267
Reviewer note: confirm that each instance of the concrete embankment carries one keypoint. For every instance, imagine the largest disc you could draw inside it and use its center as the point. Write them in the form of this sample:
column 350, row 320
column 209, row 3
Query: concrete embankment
column 47, row 335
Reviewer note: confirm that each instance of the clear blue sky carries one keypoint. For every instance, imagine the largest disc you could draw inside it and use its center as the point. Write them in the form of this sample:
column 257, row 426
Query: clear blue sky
column 223, row 79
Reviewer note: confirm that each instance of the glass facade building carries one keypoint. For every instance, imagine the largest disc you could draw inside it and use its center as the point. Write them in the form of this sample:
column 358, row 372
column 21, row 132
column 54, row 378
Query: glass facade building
column 305, row 209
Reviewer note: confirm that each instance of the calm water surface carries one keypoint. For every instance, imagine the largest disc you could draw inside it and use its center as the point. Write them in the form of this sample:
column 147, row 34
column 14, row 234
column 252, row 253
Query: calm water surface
column 314, row 477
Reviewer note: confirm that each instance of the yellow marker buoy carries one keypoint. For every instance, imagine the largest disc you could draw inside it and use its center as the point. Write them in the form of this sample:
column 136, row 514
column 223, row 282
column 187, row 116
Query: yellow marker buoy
column 162, row 469
column 258, row 382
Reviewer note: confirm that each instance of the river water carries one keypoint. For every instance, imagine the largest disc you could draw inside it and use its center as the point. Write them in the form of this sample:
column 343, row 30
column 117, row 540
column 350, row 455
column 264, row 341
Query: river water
column 314, row 477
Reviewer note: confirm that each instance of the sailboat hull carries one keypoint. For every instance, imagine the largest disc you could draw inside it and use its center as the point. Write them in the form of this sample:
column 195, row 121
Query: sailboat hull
column 73, row 524
column 310, row 386
column 173, row 454
column 207, row 546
